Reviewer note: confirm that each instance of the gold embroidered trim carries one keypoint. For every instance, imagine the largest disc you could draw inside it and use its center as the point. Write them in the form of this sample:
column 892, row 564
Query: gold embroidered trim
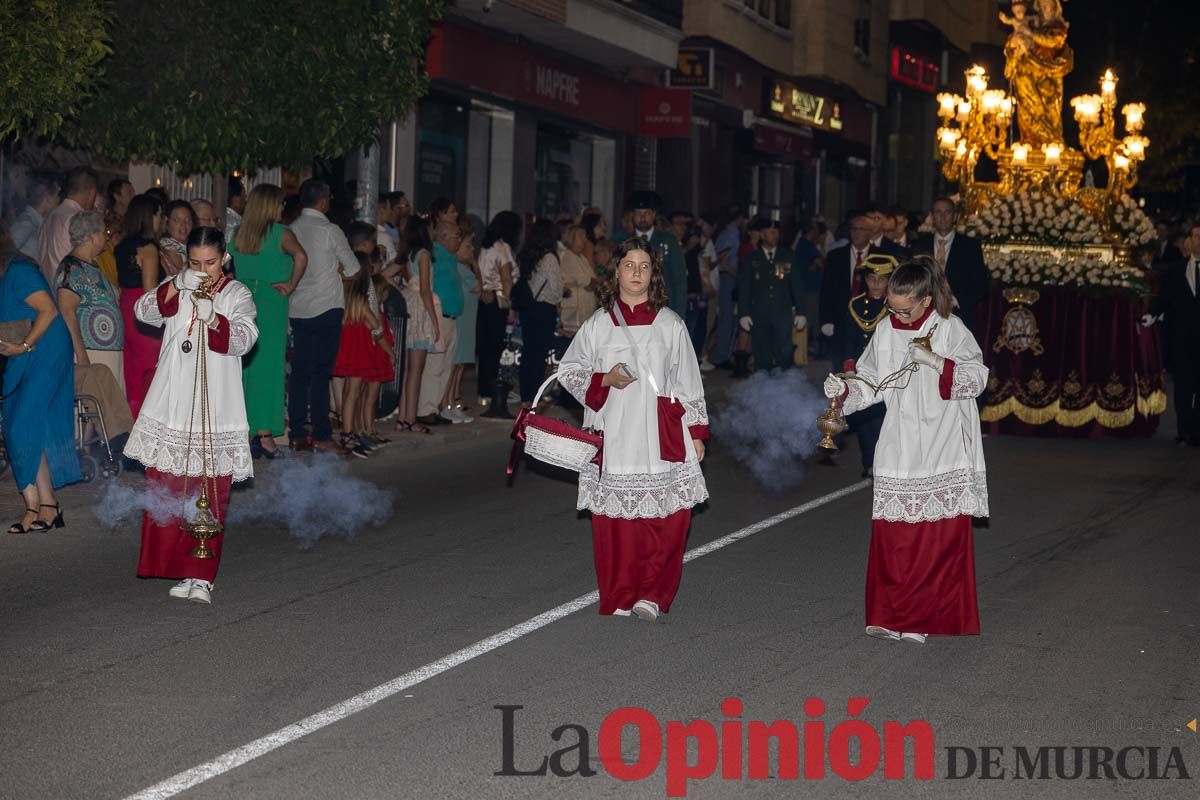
column 1152, row 404
column 863, row 324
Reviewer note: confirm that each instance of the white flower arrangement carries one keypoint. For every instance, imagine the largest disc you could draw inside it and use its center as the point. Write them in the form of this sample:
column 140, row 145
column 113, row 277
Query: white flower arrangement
column 1081, row 270
column 1034, row 217
column 1133, row 225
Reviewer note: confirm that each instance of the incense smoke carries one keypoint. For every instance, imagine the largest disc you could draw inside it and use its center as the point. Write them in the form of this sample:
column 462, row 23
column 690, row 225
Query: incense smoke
column 769, row 424
column 310, row 498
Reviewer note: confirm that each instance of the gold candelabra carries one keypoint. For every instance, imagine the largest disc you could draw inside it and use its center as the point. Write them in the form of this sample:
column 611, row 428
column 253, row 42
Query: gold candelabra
column 1096, row 115
column 977, row 124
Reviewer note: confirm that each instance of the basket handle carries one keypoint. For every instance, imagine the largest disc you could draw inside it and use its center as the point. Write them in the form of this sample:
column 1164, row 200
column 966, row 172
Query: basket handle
column 541, row 390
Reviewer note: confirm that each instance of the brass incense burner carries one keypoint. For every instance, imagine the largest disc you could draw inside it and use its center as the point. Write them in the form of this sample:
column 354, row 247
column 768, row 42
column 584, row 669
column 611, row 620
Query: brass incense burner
column 204, row 527
column 832, row 421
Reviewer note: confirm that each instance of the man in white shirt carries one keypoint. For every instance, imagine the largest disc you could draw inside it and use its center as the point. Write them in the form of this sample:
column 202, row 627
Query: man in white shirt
column 236, row 207
column 385, row 226
column 315, row 310
column 43, row 198
column 54, row 239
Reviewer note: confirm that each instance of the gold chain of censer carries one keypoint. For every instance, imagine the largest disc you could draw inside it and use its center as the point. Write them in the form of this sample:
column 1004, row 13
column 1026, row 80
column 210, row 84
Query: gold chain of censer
column 832, row 421
column 205, row 525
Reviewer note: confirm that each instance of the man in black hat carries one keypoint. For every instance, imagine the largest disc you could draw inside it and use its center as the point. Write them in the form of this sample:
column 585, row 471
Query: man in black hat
column 645, row 206
column 769, row 284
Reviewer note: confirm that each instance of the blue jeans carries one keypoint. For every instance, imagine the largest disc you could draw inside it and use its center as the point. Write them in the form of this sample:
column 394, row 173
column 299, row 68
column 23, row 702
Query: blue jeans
column 314, row 349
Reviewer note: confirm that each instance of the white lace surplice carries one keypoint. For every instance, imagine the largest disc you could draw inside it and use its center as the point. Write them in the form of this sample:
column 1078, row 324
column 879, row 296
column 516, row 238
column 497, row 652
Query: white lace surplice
column 635, row 482
column 929, row 461
column 166, row 435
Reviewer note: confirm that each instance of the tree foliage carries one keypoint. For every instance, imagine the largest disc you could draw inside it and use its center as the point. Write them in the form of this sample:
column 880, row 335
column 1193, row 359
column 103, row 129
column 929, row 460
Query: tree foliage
column 217, row 85
column 50, row 51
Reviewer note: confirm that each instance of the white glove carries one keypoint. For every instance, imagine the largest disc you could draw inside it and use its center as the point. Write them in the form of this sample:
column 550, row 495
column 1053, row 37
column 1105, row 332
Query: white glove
column 834, row 386
column 189, row 279
column 746, row 323
column 1148, row 320
column 827, row 329
column 801, row 322
column 204, row 310
column 922, row 356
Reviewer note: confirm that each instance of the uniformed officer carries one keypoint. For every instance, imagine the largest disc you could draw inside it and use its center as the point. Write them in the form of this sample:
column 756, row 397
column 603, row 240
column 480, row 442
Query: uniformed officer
column 769, row 285
column 864, row 314
column 645, row 206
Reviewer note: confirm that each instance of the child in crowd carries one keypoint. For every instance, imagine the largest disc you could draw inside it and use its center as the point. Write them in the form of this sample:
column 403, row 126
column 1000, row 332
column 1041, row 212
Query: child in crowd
column 864, row 313
column 357, row 361
column 383, row 353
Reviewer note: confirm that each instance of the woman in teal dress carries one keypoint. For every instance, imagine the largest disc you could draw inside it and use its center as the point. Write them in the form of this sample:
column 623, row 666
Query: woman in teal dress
column 270, row 261
column 39, row 393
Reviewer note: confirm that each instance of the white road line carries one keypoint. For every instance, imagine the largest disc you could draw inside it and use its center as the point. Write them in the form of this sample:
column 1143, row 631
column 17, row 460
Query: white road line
column 260, row 747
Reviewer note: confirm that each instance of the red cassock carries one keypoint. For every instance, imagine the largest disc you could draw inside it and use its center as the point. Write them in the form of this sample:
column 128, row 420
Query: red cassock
column 639, row 559
column 921, row 577
column 166, row 547
column 641, row 500
column 930, row 477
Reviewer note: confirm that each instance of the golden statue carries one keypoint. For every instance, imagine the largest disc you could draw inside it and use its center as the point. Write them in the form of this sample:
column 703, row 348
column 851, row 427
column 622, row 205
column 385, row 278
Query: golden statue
column 1036, row 59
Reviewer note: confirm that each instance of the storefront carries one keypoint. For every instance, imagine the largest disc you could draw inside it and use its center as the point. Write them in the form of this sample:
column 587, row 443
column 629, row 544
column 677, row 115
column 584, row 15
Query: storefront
column 833, row 172
column 508, row 126
column 912, row 170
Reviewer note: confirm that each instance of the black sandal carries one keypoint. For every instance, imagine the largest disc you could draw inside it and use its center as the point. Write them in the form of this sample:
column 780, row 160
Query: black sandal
column 37, row 526
column 58, row 521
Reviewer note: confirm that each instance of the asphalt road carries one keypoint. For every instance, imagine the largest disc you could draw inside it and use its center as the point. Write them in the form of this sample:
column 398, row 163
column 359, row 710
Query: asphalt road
column 1087, row 579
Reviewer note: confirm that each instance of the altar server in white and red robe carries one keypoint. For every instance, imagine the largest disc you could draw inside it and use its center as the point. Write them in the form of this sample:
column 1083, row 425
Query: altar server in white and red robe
column 930, row 477
column 640, row 384
column 167, row 434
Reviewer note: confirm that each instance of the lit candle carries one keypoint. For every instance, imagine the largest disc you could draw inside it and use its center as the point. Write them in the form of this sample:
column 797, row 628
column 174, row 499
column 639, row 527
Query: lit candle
column 1133, row 116
column 961, row 151
column 964, row 111
column 948, row 103
column 1120, row 162
column 1136, row 147
column 1052, row 151
column 1020, row 152
column 1108, row 85
column 976, row 80
column 1087, row 108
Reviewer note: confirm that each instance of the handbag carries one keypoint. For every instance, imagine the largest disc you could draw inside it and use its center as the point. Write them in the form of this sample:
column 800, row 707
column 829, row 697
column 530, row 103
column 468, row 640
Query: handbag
column 553, row 441
column 670, row 411
column 16, row 331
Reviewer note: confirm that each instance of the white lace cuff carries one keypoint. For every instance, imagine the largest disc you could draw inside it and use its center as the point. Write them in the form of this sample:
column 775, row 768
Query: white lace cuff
column 575, row 381
column 695, row 412
column 933, row 498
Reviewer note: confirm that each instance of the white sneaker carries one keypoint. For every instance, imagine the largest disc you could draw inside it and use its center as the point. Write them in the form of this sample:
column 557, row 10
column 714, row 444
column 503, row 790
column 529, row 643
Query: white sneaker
column 622, row 612
column 201, row 592
column 181, row 590
column 915, row 638
column 455, row 415
column 707, row 366
column 646, row 609
column 883, row 633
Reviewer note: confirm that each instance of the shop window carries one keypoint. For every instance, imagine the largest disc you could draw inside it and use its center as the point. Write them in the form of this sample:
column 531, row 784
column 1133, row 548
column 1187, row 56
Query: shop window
column 862, row 30
column 441, row 150
column 783, row 13
column 574, row 170
column 764, row 8
column 489, row 160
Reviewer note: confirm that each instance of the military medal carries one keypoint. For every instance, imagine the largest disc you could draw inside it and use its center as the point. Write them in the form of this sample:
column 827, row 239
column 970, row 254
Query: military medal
column 186, row 346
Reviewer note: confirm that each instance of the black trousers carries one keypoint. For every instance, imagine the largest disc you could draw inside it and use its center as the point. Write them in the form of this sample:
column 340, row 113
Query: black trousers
column 771, row 339
column 314, row 349
column 489, row 344
column 537, row 335
column 1186, row 375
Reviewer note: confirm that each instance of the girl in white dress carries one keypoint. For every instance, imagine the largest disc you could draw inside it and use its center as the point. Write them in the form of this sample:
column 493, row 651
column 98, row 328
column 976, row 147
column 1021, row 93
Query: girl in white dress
column 167, row 435
column 639, row 384
column 930, row 477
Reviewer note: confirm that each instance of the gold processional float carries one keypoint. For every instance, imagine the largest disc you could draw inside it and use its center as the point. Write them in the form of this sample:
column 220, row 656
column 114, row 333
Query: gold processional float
column 204, row 525
column 1044, row 221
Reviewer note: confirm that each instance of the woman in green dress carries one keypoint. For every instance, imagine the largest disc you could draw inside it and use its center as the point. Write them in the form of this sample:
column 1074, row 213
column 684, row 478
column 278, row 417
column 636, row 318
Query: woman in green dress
column 270, row 261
